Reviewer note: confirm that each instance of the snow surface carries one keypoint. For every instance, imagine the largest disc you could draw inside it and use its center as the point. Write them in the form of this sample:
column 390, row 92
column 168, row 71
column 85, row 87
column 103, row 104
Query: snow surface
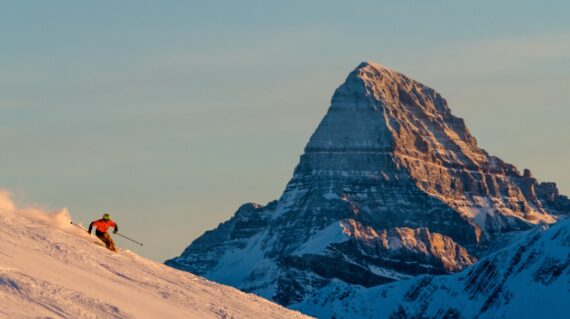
column 51, row 269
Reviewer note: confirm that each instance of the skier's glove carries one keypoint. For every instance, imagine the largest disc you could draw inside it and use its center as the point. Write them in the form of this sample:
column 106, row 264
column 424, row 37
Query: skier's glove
column 114, row 231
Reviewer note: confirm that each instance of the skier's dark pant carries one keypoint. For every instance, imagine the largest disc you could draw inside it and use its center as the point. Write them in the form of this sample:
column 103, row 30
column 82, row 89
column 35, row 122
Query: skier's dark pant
column 106, row 239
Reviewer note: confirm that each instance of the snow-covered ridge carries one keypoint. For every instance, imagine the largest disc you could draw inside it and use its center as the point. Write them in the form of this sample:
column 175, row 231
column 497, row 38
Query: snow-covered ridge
column 50, row 269
column 528, row 279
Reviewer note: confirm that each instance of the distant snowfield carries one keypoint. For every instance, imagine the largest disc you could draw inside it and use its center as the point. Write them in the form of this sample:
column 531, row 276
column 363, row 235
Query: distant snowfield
column 51, row 269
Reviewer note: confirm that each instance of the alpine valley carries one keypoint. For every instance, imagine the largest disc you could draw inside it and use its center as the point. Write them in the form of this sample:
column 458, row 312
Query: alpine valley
column 394, row 211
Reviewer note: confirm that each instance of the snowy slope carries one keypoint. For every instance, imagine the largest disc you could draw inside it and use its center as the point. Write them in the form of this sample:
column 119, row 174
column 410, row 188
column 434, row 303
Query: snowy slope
column 48, row 268
column 529, row 279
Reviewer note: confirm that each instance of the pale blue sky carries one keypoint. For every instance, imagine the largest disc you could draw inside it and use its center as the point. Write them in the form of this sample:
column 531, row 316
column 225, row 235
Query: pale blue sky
column 171, row 114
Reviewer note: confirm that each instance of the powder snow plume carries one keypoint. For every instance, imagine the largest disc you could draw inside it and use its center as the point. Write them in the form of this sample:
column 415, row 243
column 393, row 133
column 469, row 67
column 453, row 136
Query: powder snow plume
column 59, row 218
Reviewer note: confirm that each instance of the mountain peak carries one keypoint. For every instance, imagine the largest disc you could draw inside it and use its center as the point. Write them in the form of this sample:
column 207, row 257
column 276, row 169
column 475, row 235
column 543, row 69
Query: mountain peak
column 370, row 71
column 371, row 64
column 390, row 160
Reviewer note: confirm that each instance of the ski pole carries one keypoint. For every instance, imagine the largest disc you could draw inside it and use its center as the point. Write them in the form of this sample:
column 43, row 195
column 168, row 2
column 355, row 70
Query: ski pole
column 134, row 241
column 78, row 226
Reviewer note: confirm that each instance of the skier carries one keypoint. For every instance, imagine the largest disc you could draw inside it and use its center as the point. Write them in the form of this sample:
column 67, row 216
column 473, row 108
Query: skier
column 101, row 227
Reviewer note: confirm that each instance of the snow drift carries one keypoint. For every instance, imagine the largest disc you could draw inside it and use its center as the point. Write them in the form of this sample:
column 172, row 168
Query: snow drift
column 51, row 269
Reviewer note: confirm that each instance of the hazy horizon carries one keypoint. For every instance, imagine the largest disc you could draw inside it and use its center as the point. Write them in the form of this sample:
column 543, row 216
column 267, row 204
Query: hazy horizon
column 172, row 115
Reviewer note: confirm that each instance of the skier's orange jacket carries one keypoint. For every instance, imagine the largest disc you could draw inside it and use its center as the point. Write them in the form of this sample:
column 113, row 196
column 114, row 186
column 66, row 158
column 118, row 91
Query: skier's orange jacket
column 103, row 225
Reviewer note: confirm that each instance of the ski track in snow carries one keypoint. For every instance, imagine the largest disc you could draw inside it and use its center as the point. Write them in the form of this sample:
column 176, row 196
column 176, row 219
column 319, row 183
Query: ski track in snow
column 51, row 272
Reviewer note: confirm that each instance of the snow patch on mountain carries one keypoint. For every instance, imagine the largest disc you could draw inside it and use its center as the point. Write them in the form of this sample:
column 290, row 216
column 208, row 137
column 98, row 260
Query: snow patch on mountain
column 233, row 268
column 318, row 243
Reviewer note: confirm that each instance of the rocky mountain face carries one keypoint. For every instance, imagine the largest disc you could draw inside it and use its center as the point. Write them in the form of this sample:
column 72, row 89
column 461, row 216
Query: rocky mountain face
column 528, row 279
column 391, row 185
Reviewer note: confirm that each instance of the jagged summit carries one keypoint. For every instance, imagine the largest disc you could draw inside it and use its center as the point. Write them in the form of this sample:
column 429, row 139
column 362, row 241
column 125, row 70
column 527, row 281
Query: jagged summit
column 374, row 73
column 391, row 185
column 373, row 64
column 389, row 99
